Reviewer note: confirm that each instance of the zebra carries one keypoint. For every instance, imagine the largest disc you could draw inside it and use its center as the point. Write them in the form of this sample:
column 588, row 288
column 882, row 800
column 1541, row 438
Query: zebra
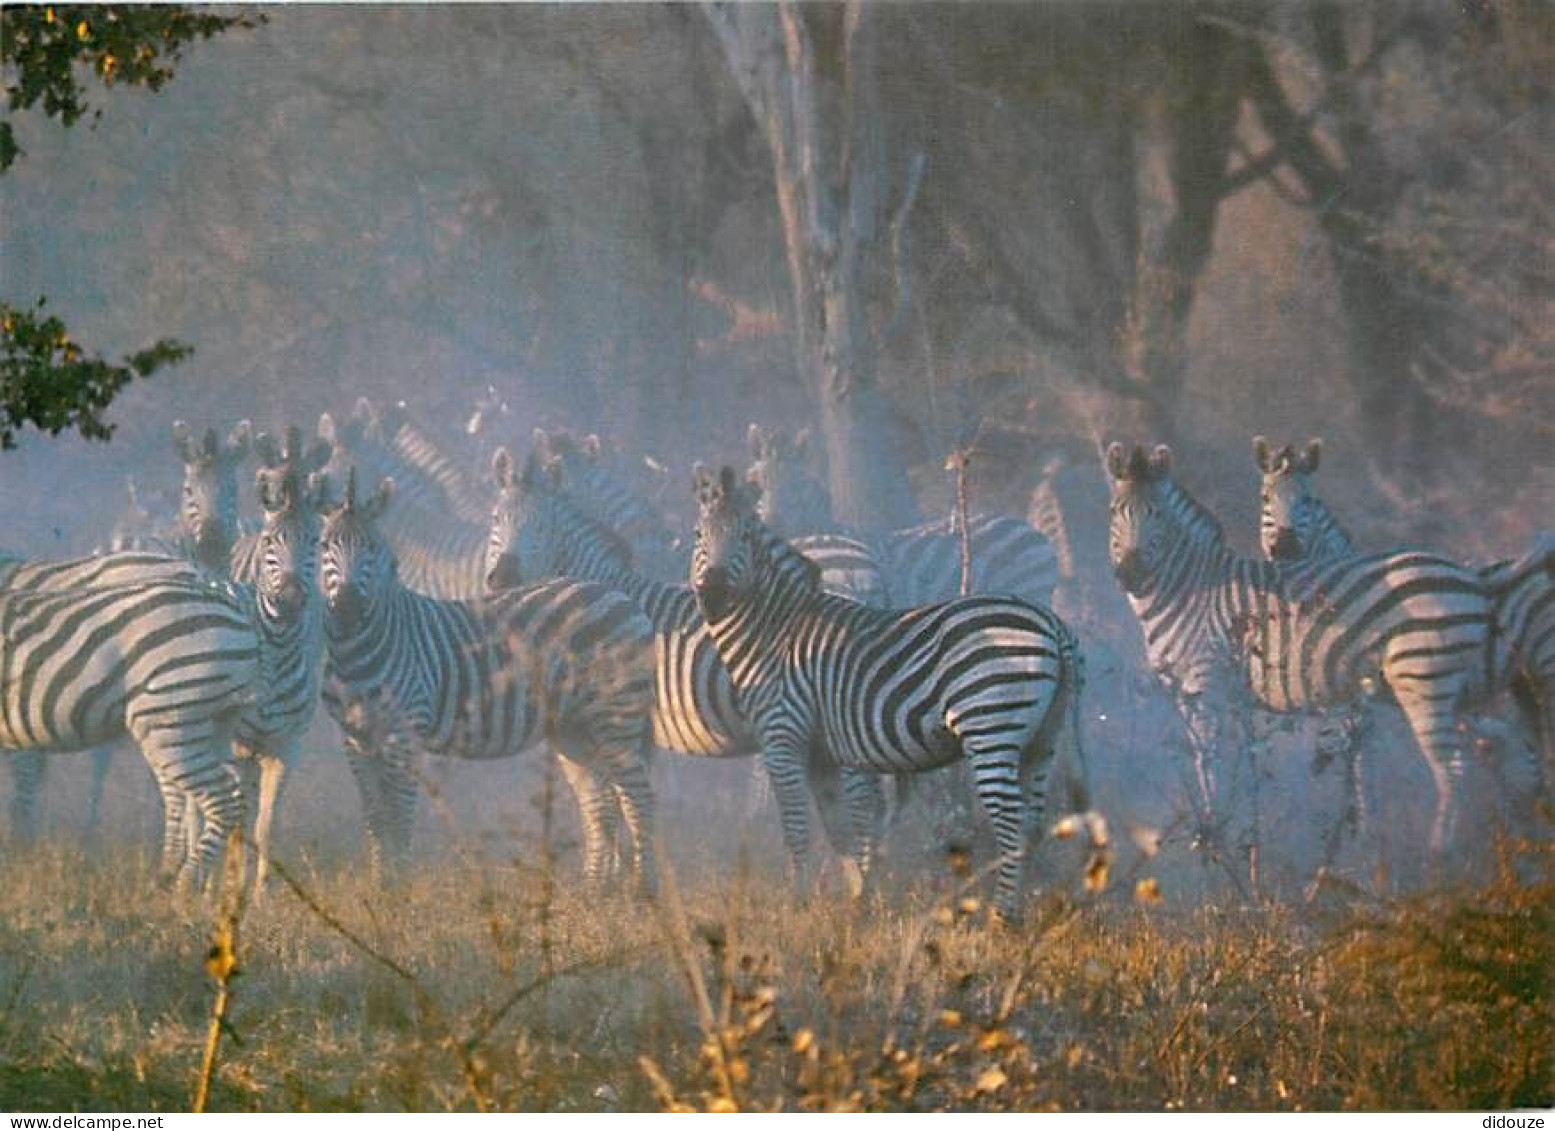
column 278, row 577
column 602, row 495
column 537, row 533
column 1297, row 529
column 991, row 680
column 567, row 662
column 921, row 564
column 439, row 549
column 1217, row 624
column 171, row 664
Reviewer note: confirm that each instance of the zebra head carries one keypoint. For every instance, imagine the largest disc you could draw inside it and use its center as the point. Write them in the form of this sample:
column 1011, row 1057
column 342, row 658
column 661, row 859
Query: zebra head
column 1289, row 511
column 728, row 557
column 291, row 488
column 524, row 537
column 793, row 498
column 208, row 511
column 1141, row 526
column 357, row 570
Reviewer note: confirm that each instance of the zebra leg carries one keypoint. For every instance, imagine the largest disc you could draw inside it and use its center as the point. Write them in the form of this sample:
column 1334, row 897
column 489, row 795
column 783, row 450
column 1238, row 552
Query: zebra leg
column 1434, row 721
column 386, row 827
column 634, row 792
column 996, row 778
column 865, row 803
column 102, row 764
column 787, row 769
column 1204, row 724
column 220, row 801
column 596, row 814
column 27, row 772
column 272, row 778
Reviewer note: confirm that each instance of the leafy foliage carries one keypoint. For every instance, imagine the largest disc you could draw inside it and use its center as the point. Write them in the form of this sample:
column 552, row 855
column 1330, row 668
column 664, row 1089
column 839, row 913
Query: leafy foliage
column 47, row 382
column 133, row 45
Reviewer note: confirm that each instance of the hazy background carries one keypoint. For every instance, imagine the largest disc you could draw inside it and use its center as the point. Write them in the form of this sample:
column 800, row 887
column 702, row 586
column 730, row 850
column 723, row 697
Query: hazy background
column 1085, row 236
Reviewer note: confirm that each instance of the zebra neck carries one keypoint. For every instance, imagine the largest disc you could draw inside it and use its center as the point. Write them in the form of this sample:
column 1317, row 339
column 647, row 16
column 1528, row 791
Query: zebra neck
column 750, row 637
column 434, row 473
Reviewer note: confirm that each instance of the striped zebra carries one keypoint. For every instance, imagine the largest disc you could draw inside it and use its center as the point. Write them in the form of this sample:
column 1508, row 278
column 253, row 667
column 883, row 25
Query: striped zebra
column 171, row 664
column 921, row 564
column 279, row 578
column 1216, row 624
column 537, row 533
column 990, row 680
column 1297, row 529
column 604, row 496
column 568, row 662
column 438, row 549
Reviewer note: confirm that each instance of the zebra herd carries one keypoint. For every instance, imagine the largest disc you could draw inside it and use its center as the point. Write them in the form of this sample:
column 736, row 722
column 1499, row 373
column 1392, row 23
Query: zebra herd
column 430, row 620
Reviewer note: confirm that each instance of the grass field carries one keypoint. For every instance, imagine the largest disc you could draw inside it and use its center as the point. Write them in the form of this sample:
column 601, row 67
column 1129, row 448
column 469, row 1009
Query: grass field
column 488, row 980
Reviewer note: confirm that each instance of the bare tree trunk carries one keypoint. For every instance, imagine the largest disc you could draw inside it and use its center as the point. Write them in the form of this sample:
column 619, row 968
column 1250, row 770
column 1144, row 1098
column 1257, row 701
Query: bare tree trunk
column 808, row 77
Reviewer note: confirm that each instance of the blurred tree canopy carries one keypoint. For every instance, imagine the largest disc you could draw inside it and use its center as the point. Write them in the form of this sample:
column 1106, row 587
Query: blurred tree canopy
column 45, row 380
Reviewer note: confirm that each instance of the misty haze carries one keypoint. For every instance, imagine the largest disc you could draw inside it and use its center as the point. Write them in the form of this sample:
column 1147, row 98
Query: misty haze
column 779, row 557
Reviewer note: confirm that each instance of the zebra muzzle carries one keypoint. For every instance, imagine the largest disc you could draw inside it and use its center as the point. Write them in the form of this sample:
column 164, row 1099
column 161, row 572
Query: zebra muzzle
column 1131, row 572
column 347, row 605
column 712, row 590
column 504, row 574
column 1287, row 546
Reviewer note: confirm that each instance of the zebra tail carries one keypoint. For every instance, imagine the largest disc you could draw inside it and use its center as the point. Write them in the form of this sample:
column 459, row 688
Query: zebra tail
column 1071, row 742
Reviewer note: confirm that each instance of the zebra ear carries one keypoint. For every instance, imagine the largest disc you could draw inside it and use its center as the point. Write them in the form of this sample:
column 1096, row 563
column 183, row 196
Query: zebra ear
column 183, row 445
column 802, row 442
column 701, row 481
column 1314, row 453
column 1161, row 461
column 238, row 440
column 1115, row 461
column 753, row 437
column 502, row 467
column 362, row 412
column 328, row 432
column 541, row 442
column 1261, row 454
column 591, row 446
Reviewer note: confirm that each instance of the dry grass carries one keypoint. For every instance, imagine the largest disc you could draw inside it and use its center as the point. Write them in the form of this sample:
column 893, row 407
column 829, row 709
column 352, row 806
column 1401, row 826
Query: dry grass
column 481, row 984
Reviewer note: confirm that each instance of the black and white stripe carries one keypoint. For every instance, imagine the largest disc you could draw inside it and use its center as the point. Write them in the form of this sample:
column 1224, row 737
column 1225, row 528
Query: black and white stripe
column 171, row 664
column 1299, row 530
column 537, row 533
column 604, row 496
column 438, row 548
column 1301, row 640
column 568, row 663
column 920, row 564
column 987, row 680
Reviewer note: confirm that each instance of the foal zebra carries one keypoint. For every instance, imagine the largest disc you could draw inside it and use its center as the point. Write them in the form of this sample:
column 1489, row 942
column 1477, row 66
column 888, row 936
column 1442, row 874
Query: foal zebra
column 538, row 534
column 171, row 664
column 990, row 680
column 567, row 663
column 1297, row 529
column 1215, row 622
